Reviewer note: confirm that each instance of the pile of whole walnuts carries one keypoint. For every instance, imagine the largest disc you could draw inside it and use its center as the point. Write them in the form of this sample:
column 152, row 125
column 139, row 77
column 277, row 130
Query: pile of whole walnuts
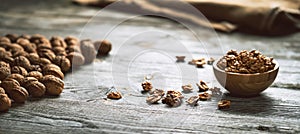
column 246, row 62
column 33, row 66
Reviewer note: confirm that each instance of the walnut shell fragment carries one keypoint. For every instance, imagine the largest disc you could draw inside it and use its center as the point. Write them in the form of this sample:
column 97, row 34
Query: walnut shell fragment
column 223, row 104
column 180, row 58
column 114, row 95
column 193, row 101
column 187, row 88
column 147, row 86
column 204, row 96
column 155, row 96
column 202, row 86
column 173, row 98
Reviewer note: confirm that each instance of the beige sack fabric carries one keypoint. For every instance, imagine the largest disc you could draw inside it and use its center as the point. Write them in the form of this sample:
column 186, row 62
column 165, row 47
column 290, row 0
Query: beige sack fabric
column 263, row 17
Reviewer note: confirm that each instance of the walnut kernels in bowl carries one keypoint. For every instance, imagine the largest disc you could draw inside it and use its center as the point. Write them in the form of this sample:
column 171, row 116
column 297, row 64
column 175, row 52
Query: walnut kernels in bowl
column 243, row 84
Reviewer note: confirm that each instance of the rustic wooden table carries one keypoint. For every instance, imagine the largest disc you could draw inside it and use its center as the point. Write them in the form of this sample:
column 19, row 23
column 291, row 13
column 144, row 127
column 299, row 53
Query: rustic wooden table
column 81, row 108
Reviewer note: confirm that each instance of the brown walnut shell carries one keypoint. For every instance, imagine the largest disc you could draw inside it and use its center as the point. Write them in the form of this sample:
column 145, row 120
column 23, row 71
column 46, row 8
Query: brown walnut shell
column 18, row 77
column 34, row 58
column 5, row 102
column 19, row 70
column 12, row 37
column 4, row 39
column 59, row 51
column 36, row 74
column 4, row 72
column 57, row 41
column 2, row 91
column 54, row 85
column 23, row 62
column 44, row 61
column 19, row 94
column 9, row 84
column 71, row 41
column 103, row 47
column 63, row 62
column 34, row 87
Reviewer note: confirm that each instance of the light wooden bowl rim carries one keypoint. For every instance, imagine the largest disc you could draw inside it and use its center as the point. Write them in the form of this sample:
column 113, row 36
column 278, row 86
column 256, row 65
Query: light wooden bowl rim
column 255, row 74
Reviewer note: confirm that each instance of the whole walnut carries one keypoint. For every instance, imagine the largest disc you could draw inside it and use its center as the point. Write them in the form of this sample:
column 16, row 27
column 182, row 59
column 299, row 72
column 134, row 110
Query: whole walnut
column 63, row 62
column 73, row 48
column 12, row 37
column 34, row 87
column 36, row 68
column 25, row 36
column 34, row 58
column 4, row 39
column 43, row 62
column 46, row 53
column 6, row 45
column 4, row 64
column 36, row 38
column 52, row 69
column 18, row 77
column 23, row 62
column 6, row 58
column 27, row 46
column 76, row 58
column 103, row 47
column 5, row 102
column 71, row 41
column 18, row 94
column 8, row 84
column 4, row 72
column 88, row 51
column 54, row 85
column 59, row 51
column 19, row 53
column 19, row 70
column 2, row 91
column 36, row 74
column 57, row 41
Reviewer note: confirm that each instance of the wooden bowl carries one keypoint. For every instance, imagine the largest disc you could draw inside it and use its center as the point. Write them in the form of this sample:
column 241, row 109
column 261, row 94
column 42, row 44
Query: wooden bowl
column 245, row 85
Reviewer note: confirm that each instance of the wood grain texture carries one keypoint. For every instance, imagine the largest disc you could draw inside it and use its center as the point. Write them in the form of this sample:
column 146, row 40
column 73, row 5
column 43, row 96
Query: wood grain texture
column 81, row 108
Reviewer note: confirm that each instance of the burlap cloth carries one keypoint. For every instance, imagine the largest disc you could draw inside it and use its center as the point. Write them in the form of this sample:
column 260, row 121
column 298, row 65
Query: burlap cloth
column 263, row 17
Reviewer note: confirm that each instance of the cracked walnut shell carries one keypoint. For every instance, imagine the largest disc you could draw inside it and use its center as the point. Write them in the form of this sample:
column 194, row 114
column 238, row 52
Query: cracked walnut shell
column 204, row 96
column 223, row 104
column 147, row 86
column 114, row 95
column 202, row 86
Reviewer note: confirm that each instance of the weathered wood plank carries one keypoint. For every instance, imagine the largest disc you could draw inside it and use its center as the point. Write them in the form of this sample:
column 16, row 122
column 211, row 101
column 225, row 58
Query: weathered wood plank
column 82, row 109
